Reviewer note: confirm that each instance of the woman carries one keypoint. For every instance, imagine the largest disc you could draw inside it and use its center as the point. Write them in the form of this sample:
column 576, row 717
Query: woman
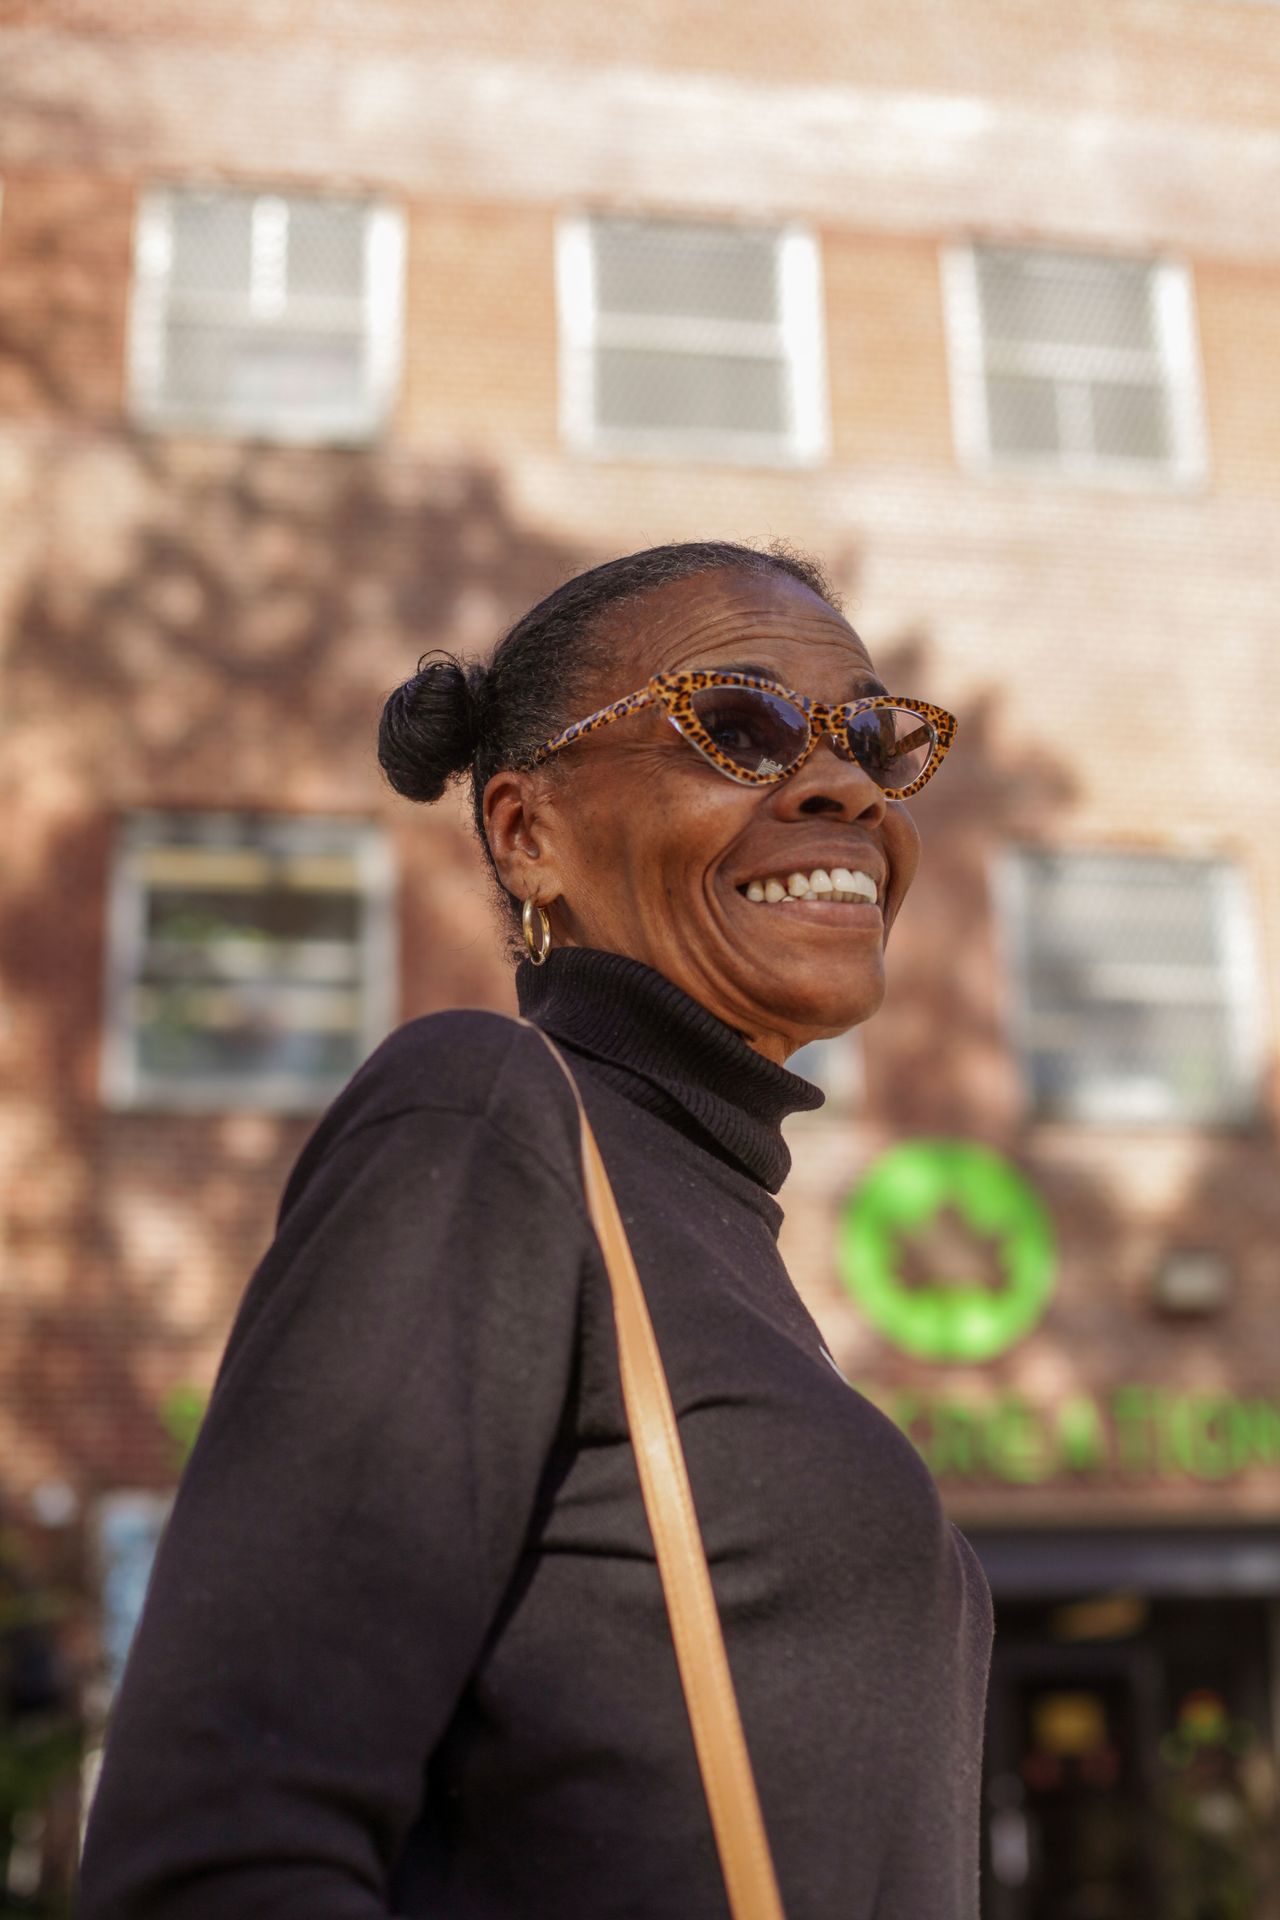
column 405, row 1648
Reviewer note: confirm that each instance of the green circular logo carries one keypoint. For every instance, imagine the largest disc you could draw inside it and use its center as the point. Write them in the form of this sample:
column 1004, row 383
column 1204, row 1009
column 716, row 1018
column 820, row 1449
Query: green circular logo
column 901, row 1195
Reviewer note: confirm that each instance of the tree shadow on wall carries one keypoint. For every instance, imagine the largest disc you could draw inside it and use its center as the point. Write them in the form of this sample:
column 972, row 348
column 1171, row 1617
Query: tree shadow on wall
column 213, row 626
column 942, row 1041
column 290, row 581
column 67, row 243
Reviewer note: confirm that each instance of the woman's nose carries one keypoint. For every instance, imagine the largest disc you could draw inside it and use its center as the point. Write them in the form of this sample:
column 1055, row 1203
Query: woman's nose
column 830, row 783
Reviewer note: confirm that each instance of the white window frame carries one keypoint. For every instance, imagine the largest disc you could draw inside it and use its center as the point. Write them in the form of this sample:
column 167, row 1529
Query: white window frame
column 122, row 1083
column 1178, row 354
column 801, row 330
column 264, row 301
column 1239, row 981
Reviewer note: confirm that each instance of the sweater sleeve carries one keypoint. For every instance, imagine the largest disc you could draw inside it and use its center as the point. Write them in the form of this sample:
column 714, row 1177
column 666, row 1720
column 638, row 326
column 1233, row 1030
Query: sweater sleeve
column 353, row 1509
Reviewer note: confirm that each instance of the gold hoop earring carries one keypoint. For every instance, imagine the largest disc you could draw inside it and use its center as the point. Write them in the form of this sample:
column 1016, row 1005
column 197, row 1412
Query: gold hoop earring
column 540, row 947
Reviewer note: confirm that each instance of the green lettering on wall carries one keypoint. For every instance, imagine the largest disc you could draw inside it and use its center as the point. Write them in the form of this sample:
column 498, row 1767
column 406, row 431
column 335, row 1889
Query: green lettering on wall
column 1132, row 1410
column 1241, row 1430
column 1082, row 1437
column 1205, row 1437
column 1263, row 1419
column 956, row 1439
column 1016, row 1441
column 1209, row 1440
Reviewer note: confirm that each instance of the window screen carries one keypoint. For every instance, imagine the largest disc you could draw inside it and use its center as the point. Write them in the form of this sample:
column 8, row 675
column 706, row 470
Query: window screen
column 1083, row 363
column 1137, row 987
column 690, row 337
column 250, row 962
column 276, row 315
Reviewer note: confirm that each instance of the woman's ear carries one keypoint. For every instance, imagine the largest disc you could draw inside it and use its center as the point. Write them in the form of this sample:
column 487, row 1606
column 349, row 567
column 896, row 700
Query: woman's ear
column 521, row 836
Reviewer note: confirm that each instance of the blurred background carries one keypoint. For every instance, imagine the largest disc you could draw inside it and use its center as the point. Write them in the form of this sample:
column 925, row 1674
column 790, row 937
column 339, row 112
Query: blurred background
column 332, row 333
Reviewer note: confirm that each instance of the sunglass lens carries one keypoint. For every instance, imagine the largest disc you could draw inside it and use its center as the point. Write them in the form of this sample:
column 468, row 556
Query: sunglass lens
column 759, row 731
column 892, row 744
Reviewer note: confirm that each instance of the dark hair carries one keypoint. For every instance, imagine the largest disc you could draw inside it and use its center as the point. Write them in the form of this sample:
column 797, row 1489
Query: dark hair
column 457, row 716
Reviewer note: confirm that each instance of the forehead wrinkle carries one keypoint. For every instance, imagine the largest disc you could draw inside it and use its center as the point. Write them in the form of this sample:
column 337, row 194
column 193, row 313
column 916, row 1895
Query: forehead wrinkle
column 756, row 630
column 764, row 638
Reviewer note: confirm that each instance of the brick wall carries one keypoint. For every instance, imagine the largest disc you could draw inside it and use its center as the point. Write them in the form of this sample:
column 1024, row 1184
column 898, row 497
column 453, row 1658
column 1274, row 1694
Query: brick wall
column 196, row 623
column 1194, row 61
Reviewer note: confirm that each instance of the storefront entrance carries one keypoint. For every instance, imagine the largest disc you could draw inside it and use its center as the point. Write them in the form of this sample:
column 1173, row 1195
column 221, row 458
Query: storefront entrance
column 1070, row 1738
column 1131, row 1764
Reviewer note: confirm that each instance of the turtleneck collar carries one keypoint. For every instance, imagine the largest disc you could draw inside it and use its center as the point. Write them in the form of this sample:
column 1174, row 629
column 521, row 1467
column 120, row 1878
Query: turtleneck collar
column 653, row 1042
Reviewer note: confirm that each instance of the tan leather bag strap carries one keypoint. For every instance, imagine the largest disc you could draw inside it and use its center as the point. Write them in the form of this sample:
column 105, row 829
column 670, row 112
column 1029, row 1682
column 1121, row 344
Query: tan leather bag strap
column 682, row 1562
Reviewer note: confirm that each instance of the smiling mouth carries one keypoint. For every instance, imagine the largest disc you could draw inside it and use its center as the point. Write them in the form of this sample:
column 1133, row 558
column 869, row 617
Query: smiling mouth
column 827, row 889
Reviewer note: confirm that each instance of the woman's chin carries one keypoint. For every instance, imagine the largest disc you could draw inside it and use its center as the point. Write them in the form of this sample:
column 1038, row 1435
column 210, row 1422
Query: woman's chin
column 821, row 1014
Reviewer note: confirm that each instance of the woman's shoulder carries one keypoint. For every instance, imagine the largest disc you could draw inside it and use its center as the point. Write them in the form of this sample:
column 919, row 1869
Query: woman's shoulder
column 452, row 1061
column 450, row 1072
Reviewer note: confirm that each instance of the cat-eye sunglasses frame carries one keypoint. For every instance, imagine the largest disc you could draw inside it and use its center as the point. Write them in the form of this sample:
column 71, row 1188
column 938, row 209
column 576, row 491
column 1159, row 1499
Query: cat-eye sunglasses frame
column 678, row 694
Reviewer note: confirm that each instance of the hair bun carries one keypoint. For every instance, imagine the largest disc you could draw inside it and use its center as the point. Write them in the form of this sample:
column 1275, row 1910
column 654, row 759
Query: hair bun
column 431, row 725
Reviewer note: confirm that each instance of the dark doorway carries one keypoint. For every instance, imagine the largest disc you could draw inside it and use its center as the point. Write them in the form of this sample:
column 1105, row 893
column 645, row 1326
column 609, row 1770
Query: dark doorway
column 1070, row 1736
column 1131, row 1767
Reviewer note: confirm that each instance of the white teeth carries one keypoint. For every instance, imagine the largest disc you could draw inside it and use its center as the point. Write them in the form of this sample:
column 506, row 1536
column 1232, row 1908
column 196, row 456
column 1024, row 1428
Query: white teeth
column 838, row 884
column 859, row 884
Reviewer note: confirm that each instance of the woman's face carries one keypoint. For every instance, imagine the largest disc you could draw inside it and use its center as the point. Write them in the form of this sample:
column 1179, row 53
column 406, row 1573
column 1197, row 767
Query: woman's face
column 637, row 845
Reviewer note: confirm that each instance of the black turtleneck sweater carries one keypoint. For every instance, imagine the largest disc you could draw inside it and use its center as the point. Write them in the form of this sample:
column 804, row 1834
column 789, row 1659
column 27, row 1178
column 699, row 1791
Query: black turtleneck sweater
column 405, row 1649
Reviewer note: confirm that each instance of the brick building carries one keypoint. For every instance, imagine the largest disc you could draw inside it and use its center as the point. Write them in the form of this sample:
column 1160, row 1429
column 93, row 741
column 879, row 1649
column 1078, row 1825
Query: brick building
column 327, row 337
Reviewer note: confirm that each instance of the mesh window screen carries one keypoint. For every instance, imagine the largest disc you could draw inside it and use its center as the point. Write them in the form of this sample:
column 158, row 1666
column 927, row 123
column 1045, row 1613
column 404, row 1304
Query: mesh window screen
column 694, row 335
column 695, row 271
column 264, row 313
column 1075, row 368
column 211, row 246
column 699, row 393
column 1135, row 997
column 327, row 252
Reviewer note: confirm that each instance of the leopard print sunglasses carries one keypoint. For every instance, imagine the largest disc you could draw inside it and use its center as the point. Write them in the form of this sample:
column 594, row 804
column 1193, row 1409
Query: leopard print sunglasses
column 756, row 732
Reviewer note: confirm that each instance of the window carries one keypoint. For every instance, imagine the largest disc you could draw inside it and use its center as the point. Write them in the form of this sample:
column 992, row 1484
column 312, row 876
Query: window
column 1081, row 364
column 686, row 339
column 1138, row 994
column 251, row 960
column 266, row 314
column 837, row 1067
